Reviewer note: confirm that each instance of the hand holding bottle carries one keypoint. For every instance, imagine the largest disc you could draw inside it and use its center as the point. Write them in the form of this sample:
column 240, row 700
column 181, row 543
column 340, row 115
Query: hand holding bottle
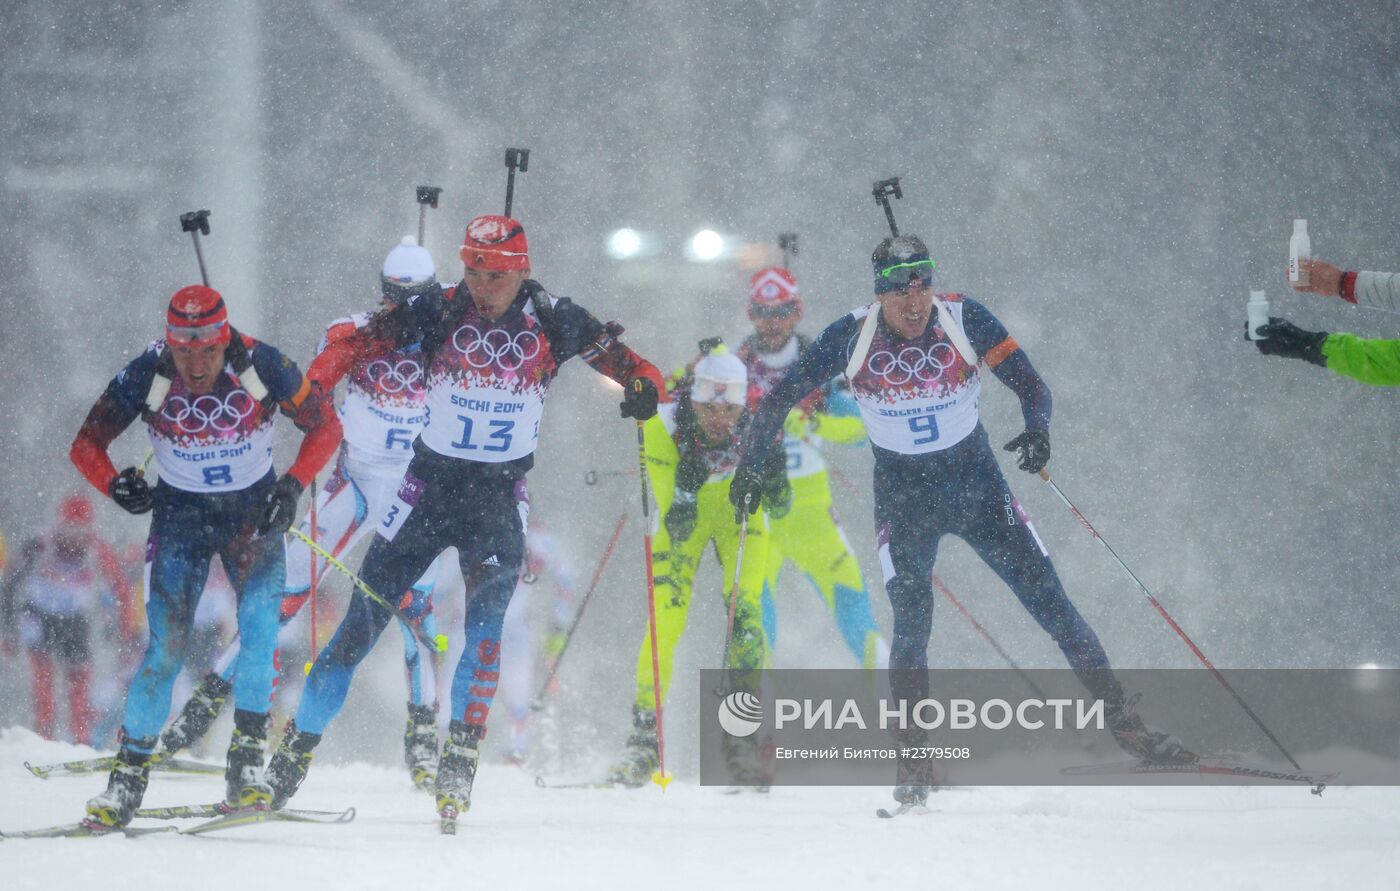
column 1322, row 278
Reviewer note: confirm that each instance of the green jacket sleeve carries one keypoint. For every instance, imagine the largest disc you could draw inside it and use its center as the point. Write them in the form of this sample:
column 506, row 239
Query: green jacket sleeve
column 1371, row 361
column 662, row 457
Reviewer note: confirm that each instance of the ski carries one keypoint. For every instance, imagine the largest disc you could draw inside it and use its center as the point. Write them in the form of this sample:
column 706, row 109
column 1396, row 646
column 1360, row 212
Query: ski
column 222, row 809
column 253, row 816
column 89, row 766
column 902, row 810
column 1206, row 766
column 542, row 783
column 87, row 830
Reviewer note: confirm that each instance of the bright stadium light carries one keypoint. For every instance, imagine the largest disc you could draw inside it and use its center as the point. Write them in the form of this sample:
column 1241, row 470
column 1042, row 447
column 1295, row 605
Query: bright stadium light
column 706, row 246
column 624, row 244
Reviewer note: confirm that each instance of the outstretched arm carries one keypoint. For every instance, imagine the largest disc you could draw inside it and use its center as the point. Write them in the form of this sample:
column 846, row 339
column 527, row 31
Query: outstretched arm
column 575, row 332
column 1378, row 289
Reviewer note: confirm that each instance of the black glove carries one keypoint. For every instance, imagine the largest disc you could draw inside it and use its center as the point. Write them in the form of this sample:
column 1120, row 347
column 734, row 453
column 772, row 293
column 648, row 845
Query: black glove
column 131, row 492
column 1034, row 446
column 777, row 496
column 639, row 399
column 280, row 509
column 777, row 491
column 745, row 491
column 1283, row 338
column 680, row 519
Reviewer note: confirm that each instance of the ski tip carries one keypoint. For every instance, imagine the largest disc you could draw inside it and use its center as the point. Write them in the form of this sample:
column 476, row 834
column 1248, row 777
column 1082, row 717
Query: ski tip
column 662, row 778
column 540, row 783
column 306, row 670
column 41, row 774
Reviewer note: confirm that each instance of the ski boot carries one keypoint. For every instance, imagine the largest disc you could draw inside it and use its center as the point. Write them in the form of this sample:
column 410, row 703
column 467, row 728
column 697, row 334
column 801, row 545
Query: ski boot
column 289, row 764
column 198, row 714
column 914, row 781
column 1148, row 744
column 420, row 746
column 748, row 767
column 126, row 786
column 639, row 761
column 456, row 771
column 244, row 783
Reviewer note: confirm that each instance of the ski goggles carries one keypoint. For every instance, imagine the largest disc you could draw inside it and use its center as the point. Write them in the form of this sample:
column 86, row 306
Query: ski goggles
column 217, row 333
column 398, row 293
column 773, row 310
column 901, row 275
column 706, row 390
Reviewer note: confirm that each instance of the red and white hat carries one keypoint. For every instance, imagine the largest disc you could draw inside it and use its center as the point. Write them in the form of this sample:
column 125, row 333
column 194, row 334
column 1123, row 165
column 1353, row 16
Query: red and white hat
column 774, row 287
column 196, row 315
column 495, row 243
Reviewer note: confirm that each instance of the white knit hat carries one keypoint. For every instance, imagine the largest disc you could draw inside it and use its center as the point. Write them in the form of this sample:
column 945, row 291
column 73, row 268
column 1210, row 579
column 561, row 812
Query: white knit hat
column 408, row 263
column 720, row 377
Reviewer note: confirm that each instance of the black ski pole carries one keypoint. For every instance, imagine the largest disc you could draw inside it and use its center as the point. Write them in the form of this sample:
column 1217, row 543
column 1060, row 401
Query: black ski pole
column 196, row 222
column 787, row 243
column 1161, row 610
column 516, row 159
column 882, row 191
column 427, row 197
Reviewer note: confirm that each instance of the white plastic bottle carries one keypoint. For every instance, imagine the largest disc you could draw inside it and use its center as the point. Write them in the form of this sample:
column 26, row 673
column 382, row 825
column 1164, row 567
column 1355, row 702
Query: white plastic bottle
column 1258, row 313
column 1299, row 249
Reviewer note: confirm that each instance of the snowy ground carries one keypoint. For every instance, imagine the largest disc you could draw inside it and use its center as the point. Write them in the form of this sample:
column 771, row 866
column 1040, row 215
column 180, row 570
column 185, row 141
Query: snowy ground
column 520, row 836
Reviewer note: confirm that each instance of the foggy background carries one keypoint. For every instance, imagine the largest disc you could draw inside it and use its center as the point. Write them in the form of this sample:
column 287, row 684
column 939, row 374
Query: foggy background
column 1109, row 179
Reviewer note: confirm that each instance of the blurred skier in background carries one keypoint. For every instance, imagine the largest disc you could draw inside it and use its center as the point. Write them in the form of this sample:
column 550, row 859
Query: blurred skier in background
column 533, row 634
column 67, row 586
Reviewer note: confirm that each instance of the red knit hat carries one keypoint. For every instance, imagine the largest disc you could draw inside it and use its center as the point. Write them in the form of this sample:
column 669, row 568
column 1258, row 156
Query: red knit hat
column 774, row 288
column 76, row 510
column 495, row 243
column 196, row 315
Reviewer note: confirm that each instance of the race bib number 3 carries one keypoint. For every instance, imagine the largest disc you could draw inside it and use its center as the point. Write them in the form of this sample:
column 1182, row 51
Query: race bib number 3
column 405, row 500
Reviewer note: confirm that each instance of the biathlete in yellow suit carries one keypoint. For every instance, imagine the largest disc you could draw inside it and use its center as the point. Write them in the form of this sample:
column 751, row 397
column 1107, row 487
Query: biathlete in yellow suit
column 809, row 534
column 691, row 448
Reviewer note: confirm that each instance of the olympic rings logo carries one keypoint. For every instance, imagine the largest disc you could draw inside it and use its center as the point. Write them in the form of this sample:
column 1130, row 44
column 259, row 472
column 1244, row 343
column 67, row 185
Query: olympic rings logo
column 406, row 374
column 496, row 347
column 209, row 412
column 913, row 363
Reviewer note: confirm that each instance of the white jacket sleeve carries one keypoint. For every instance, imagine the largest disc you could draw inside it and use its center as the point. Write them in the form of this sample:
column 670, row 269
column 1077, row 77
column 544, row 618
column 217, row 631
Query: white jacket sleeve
column 1380, row 289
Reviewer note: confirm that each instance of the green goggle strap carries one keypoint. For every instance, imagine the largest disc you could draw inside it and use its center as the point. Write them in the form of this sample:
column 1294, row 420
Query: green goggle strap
column 885, row 273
